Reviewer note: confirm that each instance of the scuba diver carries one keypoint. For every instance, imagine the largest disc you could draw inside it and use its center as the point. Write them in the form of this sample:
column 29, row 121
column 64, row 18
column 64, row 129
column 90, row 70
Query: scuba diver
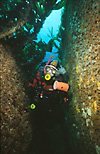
column 49, row 82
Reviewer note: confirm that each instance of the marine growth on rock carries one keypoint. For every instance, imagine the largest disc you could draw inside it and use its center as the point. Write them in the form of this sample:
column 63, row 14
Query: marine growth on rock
column 15, row 125
column 81, row 54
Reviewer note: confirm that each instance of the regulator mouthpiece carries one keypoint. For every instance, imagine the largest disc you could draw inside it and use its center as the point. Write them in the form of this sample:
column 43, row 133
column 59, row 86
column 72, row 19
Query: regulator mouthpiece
column 47, row 77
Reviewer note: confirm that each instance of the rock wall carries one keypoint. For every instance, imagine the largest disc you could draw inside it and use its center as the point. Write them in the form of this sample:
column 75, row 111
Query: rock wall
column 81, row 57
column 16, row 133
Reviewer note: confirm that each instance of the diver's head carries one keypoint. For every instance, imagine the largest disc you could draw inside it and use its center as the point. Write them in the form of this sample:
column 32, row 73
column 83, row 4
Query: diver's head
column 52, row 68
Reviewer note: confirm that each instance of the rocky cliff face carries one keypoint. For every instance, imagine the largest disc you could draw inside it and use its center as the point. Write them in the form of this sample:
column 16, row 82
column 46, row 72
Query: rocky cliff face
column 81, row 48
column 16, row 133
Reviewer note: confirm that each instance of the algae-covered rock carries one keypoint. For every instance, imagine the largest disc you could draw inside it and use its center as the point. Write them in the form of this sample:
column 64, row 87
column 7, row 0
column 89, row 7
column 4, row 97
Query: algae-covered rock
column 15, row 125
column 81, row 58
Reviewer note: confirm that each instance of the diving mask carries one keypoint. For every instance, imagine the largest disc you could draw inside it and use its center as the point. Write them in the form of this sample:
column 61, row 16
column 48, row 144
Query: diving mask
column 50, row 71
